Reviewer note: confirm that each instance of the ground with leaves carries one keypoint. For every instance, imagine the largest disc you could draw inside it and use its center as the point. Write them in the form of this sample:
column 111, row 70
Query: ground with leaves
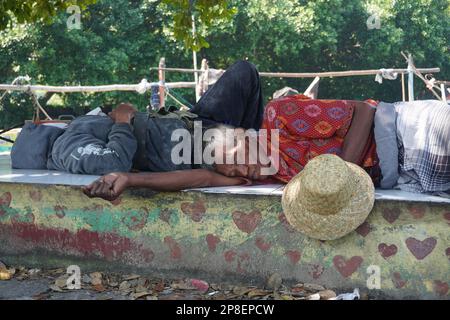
column 37, row 284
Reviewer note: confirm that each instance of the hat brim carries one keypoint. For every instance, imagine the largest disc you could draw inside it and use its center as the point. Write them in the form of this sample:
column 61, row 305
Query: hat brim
column 333, row 226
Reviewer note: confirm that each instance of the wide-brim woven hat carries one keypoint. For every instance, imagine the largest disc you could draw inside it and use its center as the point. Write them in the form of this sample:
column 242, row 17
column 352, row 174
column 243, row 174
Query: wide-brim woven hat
column 329, row 198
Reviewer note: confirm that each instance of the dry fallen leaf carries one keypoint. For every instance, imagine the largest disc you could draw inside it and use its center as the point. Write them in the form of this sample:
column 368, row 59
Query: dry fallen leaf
column 314, row 296
column 141, row 294
column 131, row 277
column 327, row 294
column 57, row 271
column 96, row 278
column 159, row 286
column 274, row 281
column 313, row 287
column 98, row 287
column 55, row 288
column 140, row 288
column 124, row 286
column 240, row 291
column 258, row 293
column 181, row 285
column 61, row 281
column 5, row 274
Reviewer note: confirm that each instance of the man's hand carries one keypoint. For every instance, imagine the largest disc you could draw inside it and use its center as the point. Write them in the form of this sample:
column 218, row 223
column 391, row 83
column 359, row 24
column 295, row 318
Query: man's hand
column 123, row 113
column 108, row 187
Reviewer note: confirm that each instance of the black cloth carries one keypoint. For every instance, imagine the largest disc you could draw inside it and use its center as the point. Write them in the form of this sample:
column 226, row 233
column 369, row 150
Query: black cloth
column 235, row 99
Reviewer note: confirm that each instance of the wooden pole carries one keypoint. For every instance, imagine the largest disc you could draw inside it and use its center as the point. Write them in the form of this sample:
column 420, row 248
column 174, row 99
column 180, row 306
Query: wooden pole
column 313, row 90
column 204, row 79
column 410, row 79
column 443, row 92
column 162, row 80
column 330, row 74
column 403, row 88
column 106, row 88
column 194, row 59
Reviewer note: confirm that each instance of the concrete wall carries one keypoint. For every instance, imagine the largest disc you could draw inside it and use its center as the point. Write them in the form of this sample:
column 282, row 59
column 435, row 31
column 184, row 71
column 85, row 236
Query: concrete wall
column 225, row 236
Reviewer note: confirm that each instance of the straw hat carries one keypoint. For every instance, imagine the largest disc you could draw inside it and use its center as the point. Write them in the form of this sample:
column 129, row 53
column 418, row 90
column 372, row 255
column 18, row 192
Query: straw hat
column 329, row 198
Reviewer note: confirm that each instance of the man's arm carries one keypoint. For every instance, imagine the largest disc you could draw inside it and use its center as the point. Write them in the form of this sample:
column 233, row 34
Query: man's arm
column 110, row 187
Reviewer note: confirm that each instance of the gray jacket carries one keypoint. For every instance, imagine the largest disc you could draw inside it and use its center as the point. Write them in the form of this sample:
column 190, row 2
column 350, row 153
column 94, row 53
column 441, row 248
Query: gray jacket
column 94, row 145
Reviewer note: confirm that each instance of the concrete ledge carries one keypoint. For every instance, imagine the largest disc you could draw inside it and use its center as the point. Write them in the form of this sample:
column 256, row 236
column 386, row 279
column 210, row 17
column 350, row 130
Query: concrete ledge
column 222, row 234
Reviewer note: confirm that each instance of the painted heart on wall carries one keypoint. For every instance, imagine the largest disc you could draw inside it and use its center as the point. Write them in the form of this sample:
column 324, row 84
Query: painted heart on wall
column 387, row 250
column 247, row 222
column 347, row 267
column 195, row 210
column 421, row 249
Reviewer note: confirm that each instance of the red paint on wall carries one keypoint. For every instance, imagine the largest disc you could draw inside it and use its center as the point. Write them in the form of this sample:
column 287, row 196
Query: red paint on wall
column 294, row 256
column 5, row 202
column 398, row 281
column 175, row 250
column 212, row 242
column 417, row 210
column 195, row 210
column 347, row 267
column 316, row 271
column 242, row 262
column 82, row 243
column 420, row 249
column 387, row 251
column 391, row 214
column 285, row 223
column 262, row 245
column 447, row 217
column 136, row 220
column 247, row 222
column 364, row 229
column 229, row 256
column 35, row 195
column 60, row 211
column 440, row 287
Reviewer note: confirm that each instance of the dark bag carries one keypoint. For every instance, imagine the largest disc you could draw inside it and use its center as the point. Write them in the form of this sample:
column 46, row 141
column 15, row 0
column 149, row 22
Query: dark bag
column 33, row 146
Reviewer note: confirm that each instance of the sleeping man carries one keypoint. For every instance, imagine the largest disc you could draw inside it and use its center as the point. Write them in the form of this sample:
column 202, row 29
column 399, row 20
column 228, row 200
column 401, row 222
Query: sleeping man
column 402, row 145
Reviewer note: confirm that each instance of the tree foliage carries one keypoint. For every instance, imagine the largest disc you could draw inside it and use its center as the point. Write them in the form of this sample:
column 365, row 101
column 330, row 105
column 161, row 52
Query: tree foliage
column 120, row 40
column 205, row 13
column 33, row 10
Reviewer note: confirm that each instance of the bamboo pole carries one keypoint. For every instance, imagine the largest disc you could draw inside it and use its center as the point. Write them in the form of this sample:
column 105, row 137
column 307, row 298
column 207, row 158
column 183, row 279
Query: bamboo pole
column 162, row 80
column 330, row 74
column 403, row 88
column 194, row 60
column 105, row 88
column 339, row 73
column 443, row 92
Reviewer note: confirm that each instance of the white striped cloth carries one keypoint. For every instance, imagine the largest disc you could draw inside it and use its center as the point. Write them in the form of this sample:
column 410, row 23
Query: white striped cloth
column 423, row 136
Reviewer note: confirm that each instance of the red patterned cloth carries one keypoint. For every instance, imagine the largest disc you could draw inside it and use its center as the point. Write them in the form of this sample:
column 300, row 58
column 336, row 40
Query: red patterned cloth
column 309, row 128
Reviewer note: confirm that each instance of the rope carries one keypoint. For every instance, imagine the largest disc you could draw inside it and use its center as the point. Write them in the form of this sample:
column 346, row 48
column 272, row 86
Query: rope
column 26, row 79
column 429, row 84
column 17, row 79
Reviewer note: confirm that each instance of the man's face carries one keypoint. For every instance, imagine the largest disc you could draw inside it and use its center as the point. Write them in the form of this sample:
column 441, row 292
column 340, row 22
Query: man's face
column 248, row 167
